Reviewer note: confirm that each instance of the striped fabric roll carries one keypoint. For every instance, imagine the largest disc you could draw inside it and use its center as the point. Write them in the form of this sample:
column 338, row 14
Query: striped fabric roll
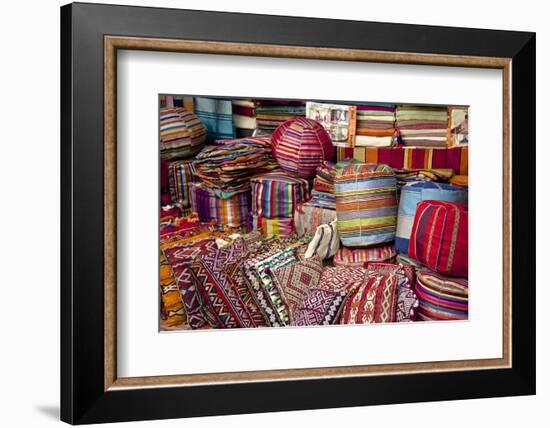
column 366, row 204
column 358, row 257
column 180, row 175
column 276, row 194
column 217, row 116
column 181, row 133
column 272, row 113
column 441, row 298
column 439, row 237
column 422, row 125
column 300, row 145
column 231, row 212
column 411, row 195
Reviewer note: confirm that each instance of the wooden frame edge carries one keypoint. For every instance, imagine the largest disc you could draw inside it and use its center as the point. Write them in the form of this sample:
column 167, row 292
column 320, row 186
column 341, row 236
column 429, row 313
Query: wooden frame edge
column 112, row 43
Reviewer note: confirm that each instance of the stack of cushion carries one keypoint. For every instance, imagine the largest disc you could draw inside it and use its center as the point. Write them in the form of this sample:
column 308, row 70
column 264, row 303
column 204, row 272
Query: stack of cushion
column 366, row 204
column 181, row 133
column 300, row 145
column 272, row 113
column 441, row 297
column 422, row 126
column 411, row 195
column 439, row 237
column 322, row 194
column 375, row 125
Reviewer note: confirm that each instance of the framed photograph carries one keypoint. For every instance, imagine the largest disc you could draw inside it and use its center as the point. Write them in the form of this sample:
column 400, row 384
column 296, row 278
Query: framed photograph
column 265, row 213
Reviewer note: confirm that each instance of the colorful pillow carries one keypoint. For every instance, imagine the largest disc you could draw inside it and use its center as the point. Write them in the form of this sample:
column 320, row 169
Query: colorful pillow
column 300, row 145
column 341, row 277
column 360, row 256
column 325, row 242
column 366, row 204
column 170, row 296
column 439, row 237
column 440, row 297
column 320, row 307
column 372, row 302
column 296, row 279
column 232, row 211
column 407, row 300
column 180, row 175
column 181, row 133
column 307, row 218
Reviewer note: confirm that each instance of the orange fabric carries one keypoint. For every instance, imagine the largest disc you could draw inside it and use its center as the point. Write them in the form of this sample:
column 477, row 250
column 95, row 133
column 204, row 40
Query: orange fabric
column 375, row 132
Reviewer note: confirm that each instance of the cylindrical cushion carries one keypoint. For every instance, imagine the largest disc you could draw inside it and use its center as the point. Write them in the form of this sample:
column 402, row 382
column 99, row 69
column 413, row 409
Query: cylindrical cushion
column 300, row 145
column 181, row 133
column 411, row 195
column 358, row 257
column 231, row 212
column 439, row 237
column 181, row 174
column 441, row 297
column 366, row 204
column 276, row 194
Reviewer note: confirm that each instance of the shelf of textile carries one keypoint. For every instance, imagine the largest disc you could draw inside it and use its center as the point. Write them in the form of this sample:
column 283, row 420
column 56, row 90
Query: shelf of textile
column 276, row 194
column 227, row 166
column 300, row 145
column 366, row 204
column 181, row 174
column 272, row 113
column 359, row 257
column 308, row 217
column 439, row 237
column 422, row 125
column 209, row 206
column 399, row 157
column 216, row 114
column 375, row 125
column 244, row 117
column 181, row 133
column 441, row 298
column 411, row 195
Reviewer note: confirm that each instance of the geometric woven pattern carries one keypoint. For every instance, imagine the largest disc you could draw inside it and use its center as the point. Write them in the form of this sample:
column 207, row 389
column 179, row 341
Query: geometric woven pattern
column 320, row 307
column 341, row 278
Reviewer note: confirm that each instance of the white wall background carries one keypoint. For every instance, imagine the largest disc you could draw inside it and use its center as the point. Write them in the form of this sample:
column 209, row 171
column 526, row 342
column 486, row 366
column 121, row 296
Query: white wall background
column 29, row 218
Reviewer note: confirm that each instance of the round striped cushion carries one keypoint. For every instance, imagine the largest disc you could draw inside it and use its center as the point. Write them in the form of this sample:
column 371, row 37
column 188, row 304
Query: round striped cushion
column 300, row 145
column 441, row 297
column 181, row 133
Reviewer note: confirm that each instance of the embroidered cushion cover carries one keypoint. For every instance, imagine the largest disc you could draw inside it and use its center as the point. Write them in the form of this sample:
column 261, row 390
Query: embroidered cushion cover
column 359, row 256
column 320, row 307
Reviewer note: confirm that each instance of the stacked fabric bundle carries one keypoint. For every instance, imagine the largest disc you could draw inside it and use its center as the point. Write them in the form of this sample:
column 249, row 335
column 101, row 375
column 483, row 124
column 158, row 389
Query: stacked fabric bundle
column 227, row 166
column 375, row 125
column 366, row 204
column 217, row 116
column 244, row 118
column 181, row 133
column 411, row 195
column 422, row 126
column 272, row 113
column 441, row 298
column 322, row 195
column 300, row 145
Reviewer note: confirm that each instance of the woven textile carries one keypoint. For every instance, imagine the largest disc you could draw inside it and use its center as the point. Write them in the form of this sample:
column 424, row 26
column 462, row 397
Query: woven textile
column 322, row 195
column 459, row 180
column 277, row 226
column 244, row 117
column 375, row 125
column 220, row 301
column 325, row 242
column 170, row 295
column 342, row 277
column 308, row 217
column 414, row 158
column 276, row 194
column 300, row 145
column 422, row 126
column 272, row 113
column 320, row 307
column 359, row 256
column 366, row 204
column 296, row 279
column 439, row 237
column 372, row 302
column 407, row 300
column 180, row 174
column 231, row 212
column 217, row 117
column 441, row 297
column 226, row 167
column 181, row 133
column 411, row 195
